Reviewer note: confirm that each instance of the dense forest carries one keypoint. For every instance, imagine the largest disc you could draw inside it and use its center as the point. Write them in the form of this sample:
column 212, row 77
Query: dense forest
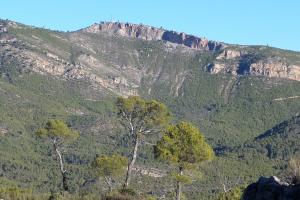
column 102, row 116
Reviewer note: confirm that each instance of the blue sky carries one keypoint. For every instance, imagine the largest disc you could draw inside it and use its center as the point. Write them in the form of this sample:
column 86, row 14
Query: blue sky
column 267, row 22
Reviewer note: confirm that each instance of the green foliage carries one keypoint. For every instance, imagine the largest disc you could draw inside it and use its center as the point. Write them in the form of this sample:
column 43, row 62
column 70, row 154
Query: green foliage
column 142, row 113
column 234, row 194
column 294, row 169
column 128, row 191
column 183, row 145
column 151, row 198
column 229, row 111
column 110, row 165
column 19, row 194
column 124, row 194
column 57, row 129
column 279, row 142
column 140, row 117
column 181, row 178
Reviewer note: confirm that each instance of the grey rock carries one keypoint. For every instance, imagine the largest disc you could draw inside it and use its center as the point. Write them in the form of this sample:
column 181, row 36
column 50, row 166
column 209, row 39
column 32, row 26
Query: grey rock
column 271, row 189
column 145, row 32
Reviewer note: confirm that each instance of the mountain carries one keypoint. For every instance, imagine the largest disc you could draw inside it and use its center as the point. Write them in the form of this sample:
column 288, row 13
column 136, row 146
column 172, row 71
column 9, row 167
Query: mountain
column 237, row 60
column 233, row 93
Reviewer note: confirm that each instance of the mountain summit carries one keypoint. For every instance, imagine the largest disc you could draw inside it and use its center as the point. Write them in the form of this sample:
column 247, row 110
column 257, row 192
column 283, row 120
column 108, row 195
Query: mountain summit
column 234, row 59
column 151, row 33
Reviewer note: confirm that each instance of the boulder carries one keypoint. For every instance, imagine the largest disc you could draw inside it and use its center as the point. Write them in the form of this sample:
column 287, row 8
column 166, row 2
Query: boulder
column 271, row 189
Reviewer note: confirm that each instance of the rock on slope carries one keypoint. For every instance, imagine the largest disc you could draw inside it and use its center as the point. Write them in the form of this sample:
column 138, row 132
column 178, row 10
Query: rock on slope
column 241, row 61
column 271, row 189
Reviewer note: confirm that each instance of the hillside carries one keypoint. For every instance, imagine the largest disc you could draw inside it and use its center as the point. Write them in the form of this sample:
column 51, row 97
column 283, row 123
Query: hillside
column 233, row 93
column 279, row 142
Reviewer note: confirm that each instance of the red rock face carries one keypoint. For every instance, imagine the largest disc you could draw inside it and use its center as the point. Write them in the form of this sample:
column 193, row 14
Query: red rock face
column 150, row 33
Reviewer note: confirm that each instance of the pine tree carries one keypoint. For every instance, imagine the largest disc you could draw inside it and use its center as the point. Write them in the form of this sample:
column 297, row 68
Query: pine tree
column 140, row 118
column 57, row 132
column 184, row 146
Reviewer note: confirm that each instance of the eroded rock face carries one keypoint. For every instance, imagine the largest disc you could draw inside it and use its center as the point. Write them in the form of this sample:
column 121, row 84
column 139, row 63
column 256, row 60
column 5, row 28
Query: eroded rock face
column 48, row 63
column 229, row 54
column 277, row 69
column 3, row 28
column 126, row 29
column 271, row 189
column 237, row 62
column 150, row 33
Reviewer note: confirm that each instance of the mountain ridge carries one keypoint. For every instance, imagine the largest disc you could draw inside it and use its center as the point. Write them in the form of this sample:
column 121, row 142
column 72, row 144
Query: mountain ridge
column 234, row 60
column 151, row 33
column 234, row 54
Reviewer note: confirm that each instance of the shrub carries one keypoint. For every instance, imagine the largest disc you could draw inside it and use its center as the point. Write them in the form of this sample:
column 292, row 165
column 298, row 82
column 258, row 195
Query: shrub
column 234, row 194
column 294, row 168
column 18, row 194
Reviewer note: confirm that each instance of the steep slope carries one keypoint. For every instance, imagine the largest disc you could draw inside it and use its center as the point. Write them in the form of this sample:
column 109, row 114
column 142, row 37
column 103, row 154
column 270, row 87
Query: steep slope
column 280, row 142
column 236, row 60
column 76, row 76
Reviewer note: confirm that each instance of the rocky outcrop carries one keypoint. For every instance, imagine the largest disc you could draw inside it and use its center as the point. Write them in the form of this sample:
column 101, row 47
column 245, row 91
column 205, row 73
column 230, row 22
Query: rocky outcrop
column 126, row 29
column 275, row 68
column 229, row 54
column 3, row 28
column 151, row 33
column 3, row 131
column 12, row 52
column 238, row 62
column 152, row 172
column 271, row 189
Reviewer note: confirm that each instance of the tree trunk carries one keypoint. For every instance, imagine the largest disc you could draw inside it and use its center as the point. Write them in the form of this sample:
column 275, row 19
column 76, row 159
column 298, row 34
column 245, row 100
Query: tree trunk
column 178, row 187
column 132, row 162
column 61, row 164
column 108, row 181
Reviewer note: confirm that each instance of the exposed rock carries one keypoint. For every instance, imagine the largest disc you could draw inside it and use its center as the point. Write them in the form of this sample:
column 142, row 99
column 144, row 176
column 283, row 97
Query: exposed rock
column 105, row 66
column 126, row 29
column 151, row 33
column 241, row 63
column 216, row 68
column 277, row 69
column 229, row 54
column 191, row 41
column 220, row 67
column 3, row 28
column 50, row 63
column 271, row 189
column 3, row 131
column 152, row 172
column 4, row 36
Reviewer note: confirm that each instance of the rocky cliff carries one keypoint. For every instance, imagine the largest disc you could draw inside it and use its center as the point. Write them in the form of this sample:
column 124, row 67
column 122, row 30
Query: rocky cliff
column 151, row 33
column 236, row 61
column 271, row 189
column 245, row 62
